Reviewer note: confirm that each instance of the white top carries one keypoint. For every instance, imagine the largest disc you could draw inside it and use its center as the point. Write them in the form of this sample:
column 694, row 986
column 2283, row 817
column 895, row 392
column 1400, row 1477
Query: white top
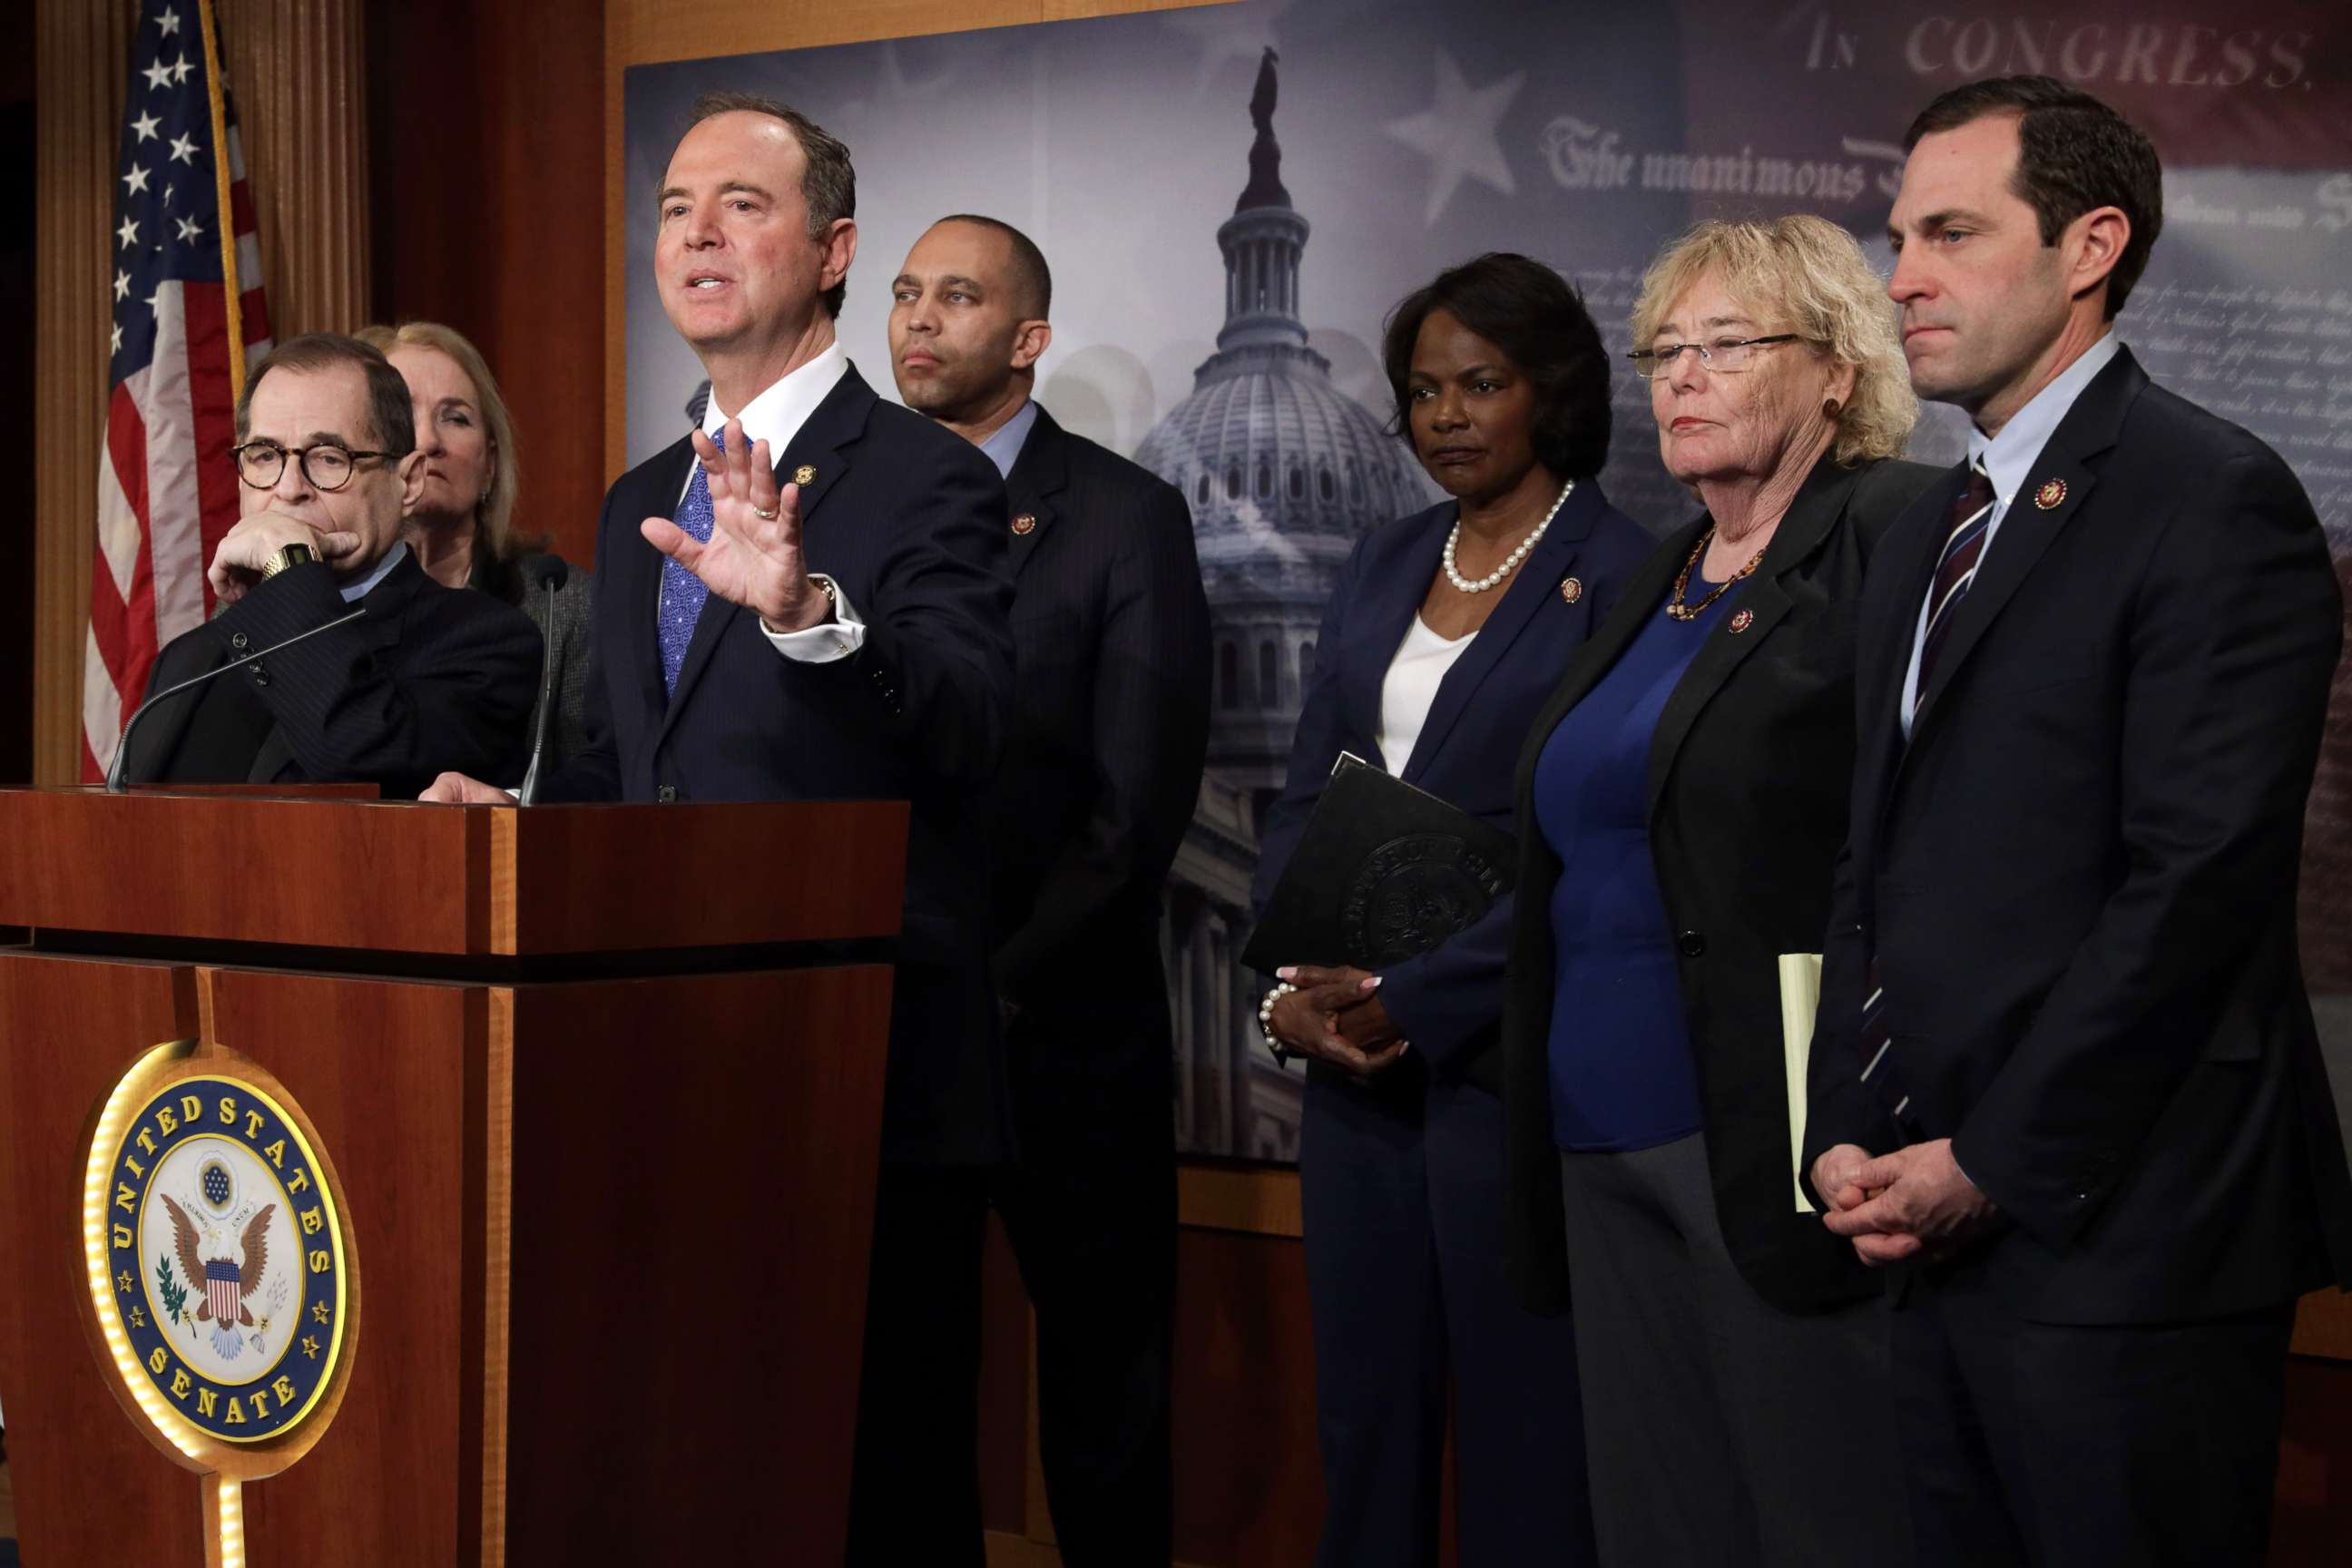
column 2008, row 460
column 1410, row 688
column 776, row 416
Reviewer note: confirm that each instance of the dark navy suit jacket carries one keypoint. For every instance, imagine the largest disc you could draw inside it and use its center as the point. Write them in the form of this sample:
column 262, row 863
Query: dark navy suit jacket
column 1110, row 724
column 909, row 519
column 1448, row 1001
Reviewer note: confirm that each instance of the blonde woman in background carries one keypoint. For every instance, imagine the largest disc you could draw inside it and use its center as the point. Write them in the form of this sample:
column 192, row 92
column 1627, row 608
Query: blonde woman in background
column 1681, row 800
column 461, row 527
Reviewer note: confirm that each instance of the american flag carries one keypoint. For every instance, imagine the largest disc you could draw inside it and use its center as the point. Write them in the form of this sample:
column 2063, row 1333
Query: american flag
column 188, row 316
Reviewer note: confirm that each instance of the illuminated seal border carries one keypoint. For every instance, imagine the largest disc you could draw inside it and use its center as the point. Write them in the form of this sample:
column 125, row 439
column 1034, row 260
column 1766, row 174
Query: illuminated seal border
column 131, row 1133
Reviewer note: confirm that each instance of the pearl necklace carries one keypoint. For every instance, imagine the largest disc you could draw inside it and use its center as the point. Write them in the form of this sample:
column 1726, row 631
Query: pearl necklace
column 1454, row 576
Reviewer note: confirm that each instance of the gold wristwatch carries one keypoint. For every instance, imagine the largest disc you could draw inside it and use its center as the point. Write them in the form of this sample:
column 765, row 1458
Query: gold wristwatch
column 288, row 555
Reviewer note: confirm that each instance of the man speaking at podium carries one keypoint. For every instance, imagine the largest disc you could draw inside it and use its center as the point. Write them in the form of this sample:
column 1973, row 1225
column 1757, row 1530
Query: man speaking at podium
column 428, row 679
column 806, row 601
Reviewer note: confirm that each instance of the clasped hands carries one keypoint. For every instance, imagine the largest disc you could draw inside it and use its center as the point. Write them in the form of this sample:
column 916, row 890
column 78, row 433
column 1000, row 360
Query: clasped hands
column 753, row 555
column 1336, row 1016
column 1914, row 1201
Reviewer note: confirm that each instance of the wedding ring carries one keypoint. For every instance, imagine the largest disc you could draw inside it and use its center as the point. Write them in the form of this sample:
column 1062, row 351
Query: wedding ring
column 764, row 516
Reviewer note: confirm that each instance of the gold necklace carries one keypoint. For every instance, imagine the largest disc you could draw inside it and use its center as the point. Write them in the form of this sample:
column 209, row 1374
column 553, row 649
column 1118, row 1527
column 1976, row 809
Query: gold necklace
column 1682, row 612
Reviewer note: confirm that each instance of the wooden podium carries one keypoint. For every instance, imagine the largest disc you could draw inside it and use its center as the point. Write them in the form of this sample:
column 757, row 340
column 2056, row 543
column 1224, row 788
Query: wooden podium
column 604, row 1088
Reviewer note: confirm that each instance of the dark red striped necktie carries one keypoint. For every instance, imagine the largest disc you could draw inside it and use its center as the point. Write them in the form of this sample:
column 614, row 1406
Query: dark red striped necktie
column 1964, row 543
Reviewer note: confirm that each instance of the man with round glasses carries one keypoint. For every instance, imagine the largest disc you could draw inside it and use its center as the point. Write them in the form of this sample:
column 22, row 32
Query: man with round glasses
column 429, row 678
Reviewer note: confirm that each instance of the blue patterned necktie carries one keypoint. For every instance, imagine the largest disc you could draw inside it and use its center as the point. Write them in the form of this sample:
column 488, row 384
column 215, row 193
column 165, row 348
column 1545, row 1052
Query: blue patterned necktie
column 682, row 593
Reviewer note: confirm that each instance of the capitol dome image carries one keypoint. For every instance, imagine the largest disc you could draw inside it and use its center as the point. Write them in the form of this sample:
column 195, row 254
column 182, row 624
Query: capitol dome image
column 1283, row 472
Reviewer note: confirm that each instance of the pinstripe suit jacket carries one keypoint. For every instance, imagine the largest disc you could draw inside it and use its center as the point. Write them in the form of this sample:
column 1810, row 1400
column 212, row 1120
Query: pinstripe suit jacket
column 432, row 679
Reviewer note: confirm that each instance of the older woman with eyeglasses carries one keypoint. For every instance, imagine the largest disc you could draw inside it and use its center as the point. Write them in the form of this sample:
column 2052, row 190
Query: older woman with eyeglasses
column 462, row 524
column 1681, row 800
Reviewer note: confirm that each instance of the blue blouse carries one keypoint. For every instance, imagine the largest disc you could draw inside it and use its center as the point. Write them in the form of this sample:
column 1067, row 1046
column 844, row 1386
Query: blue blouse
column 1622, row 1073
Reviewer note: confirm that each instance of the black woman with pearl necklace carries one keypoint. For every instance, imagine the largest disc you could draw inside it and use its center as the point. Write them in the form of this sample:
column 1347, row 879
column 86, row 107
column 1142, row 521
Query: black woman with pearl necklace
column 1444, row 635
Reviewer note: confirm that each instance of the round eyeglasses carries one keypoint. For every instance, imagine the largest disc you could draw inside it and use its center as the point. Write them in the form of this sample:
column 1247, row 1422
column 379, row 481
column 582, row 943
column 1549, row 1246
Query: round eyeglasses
column 328, row 468
column 1723, row 354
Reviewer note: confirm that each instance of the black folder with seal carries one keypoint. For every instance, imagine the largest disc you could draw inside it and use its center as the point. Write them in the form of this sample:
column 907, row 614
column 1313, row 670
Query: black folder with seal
column 1383, row 873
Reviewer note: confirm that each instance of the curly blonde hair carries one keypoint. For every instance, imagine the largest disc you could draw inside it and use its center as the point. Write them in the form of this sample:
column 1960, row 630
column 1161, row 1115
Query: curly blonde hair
column 494, row 515
column 1807, row 275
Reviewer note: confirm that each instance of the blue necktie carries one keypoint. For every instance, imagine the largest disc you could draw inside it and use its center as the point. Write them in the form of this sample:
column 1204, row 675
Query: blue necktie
column 682, row 593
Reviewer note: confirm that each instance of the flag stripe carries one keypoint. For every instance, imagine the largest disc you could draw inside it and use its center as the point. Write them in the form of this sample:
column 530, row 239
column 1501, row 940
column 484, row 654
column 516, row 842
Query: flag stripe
column 188, row 306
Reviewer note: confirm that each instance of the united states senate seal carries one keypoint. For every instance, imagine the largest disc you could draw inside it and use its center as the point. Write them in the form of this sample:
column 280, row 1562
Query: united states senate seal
column 222, row 1280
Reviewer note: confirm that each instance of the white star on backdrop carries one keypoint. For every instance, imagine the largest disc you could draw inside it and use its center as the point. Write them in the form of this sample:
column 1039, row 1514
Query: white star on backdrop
column 128, row 232
column 122, row 285
column 181, row 67
column 190, row 229
column 136, row 180
column 1456, row 134
column 115, row 347
column 168, row 21
column 153, row 307
column 184, row 149
column 145, row 126
column 159, row 76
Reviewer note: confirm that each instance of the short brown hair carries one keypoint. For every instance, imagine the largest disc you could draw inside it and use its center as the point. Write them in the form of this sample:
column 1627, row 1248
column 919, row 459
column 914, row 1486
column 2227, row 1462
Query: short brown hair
column 388, row 407
column 828, row 182
column 2073, row 153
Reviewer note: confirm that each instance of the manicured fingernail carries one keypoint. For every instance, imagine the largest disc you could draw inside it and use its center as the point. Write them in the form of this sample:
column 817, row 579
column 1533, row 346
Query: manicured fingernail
column 1287, row 972
column 1371, row 982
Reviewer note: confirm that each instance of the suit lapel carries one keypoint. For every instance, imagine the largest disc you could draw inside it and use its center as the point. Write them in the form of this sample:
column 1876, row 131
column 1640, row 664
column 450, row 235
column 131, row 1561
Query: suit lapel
column 2054, row 491
column 1882, row 651
column 817, row 444
column 1764, row 599
column 1392, row 596
column 1039, row 474
column 1530, row 588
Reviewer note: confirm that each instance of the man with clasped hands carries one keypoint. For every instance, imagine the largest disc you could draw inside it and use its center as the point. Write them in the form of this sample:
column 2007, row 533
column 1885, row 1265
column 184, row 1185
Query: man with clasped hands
column 816, row 609
column 2065, row 1076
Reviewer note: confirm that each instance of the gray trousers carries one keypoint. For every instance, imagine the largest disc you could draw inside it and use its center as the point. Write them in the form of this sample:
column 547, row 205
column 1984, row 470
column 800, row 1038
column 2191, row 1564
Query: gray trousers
column 1718, row 1429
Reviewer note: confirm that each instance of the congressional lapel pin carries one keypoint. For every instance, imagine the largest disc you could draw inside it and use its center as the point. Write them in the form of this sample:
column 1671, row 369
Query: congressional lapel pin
column 805, row 474
column 1026, row 523
column 2051, row 495
column 1741, row 620
column 1571, row 589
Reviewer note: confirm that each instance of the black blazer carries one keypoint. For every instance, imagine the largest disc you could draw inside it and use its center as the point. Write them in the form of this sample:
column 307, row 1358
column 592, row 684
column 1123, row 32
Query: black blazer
column 430, row 679
column 909, row 519
column 1749, row 776
column 2079, row 875
column 1446, row 1000
column 1109, row 726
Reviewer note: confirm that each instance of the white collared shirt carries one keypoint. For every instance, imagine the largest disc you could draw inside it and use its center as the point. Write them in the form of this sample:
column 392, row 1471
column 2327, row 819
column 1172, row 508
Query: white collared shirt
column 2010, row 460
column 776, row 416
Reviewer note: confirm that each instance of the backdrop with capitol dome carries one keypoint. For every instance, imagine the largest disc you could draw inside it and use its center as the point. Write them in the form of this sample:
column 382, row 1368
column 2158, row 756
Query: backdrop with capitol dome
column 1219, row 289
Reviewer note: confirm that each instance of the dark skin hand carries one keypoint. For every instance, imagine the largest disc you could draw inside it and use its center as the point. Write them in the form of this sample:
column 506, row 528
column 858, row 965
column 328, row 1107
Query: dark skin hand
column 1336, row 1016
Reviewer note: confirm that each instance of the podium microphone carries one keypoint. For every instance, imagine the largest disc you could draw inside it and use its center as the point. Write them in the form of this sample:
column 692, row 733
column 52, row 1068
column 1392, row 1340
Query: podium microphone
column 114, row 780
column 549, row 571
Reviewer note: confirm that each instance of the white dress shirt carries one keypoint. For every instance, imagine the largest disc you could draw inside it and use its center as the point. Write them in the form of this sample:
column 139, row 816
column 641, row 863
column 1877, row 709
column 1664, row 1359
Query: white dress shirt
column 1409, row 689
column 776, row 416
column 2010, row 460
column 359, row 588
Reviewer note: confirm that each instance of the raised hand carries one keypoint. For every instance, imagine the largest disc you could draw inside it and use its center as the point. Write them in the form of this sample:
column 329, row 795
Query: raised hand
column 754, row 556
